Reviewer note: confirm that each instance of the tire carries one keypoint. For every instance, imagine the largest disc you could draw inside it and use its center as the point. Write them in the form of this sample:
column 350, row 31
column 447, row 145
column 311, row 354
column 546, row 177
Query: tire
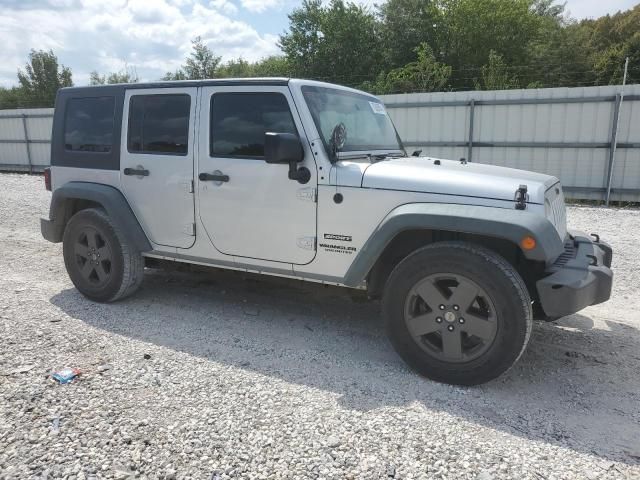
column 101, row 262
column 466, row 344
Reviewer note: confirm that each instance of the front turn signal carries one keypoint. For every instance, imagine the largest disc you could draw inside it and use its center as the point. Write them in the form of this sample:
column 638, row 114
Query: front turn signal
column 528, row 243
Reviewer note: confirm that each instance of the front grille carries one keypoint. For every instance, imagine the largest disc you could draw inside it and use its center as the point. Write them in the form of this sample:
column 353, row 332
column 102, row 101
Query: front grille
column 555, row 209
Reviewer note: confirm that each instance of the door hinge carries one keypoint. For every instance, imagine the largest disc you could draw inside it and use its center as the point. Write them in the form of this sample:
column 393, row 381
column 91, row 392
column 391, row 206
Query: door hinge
column 189, row 186
column 308, row 194
column 306, row 243
column 190, row 229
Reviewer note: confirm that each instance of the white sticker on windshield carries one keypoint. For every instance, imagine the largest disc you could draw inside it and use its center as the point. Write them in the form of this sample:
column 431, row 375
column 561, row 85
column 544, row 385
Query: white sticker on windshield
column 378, row 108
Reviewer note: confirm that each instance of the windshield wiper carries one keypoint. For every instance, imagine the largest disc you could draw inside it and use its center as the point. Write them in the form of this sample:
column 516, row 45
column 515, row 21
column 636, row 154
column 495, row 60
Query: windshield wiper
column 384, row 156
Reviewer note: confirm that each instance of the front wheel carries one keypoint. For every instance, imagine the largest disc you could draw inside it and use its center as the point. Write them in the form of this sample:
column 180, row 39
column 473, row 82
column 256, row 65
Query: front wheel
column 457, row 313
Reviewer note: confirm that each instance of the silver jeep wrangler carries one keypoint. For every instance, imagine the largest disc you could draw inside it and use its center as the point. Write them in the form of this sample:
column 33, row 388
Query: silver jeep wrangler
column 308, row 180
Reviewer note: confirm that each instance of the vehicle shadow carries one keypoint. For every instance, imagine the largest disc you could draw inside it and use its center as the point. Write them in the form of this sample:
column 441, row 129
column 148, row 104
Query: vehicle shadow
column 575, row 386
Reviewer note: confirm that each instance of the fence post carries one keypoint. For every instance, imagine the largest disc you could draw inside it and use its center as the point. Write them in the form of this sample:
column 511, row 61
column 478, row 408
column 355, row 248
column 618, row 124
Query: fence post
column 26, row 141
column 613, row 143
column 472, row 106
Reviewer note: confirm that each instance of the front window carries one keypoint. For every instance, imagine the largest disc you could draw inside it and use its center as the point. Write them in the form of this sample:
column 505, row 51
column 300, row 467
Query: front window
column 240, row 120
column 368, row 127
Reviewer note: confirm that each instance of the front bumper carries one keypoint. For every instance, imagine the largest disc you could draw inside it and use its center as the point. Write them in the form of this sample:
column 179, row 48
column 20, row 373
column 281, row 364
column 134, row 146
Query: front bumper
column 580, row 277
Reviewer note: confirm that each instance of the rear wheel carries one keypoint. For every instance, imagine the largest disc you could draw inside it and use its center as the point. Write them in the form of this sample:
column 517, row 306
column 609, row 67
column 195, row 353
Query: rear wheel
column 100, row 261
column 457, row 313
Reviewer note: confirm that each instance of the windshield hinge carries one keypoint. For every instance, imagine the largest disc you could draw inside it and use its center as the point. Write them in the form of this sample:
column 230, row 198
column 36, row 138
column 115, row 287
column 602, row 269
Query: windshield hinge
column 308, row 194
column 306, row 243
column 190, row 229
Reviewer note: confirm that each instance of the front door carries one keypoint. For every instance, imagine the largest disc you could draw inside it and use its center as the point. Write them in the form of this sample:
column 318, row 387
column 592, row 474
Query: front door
column 250, row 208
column 156, row 162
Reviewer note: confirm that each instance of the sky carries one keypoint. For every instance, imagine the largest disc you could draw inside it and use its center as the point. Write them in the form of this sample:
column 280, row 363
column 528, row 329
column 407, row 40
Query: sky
column 153, row 36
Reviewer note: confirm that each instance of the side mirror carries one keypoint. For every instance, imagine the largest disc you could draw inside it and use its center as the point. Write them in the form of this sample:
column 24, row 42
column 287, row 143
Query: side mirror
column 282, row 148
column 286, row 148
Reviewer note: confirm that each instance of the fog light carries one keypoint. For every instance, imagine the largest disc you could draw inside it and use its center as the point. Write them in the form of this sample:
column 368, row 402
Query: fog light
column 528, row 243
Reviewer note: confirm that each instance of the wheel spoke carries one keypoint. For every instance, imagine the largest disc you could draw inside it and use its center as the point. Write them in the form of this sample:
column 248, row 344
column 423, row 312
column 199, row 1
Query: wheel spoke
column 87, row 268
column 92, row 239
column 423, row 324
column 451, row 345
column 81, row 250
column 104, row 253
column 478, row 326
column 100, row 271
column 430, row 293
column 464, row 295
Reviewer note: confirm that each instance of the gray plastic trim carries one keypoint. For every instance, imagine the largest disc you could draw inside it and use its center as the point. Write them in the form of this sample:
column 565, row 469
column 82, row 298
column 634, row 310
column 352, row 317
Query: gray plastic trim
column 111, row 200
column 510, row 225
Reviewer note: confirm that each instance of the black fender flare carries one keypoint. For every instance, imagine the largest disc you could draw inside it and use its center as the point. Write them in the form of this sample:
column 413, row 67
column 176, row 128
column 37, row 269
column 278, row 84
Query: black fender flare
column 110, row 198
column 511, row 225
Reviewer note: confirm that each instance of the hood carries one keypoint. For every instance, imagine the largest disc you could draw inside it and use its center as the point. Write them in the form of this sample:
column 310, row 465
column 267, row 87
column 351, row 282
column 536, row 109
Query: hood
column 449, row 177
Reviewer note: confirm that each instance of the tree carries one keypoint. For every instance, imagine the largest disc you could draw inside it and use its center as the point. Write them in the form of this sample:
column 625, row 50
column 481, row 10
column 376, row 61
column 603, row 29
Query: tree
column 495, row 75
column 42, row 78
column 11, row 98
column 200, row 64
column 405, row 24
column 338, row 42
column 127, row 75
column 610, row 39
column 423, row 75
column 473, row 28
column 239, row 68
column 274, row 66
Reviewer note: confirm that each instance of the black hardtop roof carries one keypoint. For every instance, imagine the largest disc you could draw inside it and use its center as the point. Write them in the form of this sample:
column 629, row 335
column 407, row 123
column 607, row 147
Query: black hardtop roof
column 269, row 81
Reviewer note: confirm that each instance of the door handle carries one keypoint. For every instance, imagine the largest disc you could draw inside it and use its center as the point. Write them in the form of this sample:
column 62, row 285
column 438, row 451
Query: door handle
column 140, row 172
column 213, row 177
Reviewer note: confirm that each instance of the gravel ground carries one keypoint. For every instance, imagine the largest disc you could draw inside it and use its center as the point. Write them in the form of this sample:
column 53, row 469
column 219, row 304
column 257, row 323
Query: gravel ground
column 222, row 375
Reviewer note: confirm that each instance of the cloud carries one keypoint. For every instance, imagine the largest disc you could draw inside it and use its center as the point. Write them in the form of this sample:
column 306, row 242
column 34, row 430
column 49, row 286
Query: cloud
column 260, row 6
column 105, row 36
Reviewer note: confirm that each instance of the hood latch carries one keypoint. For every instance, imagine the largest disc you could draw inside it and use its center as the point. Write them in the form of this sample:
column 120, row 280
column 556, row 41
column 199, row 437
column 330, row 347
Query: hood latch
column 521, row 197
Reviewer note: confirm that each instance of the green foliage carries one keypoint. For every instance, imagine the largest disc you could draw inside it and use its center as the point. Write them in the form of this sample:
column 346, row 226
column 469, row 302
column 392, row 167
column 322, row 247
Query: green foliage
column 41, row 79
column 337, row 42
column 274, row 66
column 404, row 46
column 495, row 75
column 127, row 75
column 610, row 40
column 201, row 63
column 423, row 75
column 405, row 24
column 11, row 98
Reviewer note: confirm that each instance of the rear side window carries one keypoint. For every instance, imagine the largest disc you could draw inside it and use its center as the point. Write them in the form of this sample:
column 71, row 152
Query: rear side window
column 88, row 124
column 159, row 124
column 240, row 120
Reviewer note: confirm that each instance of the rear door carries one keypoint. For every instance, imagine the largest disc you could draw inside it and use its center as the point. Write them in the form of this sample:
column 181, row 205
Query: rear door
column 156, row 162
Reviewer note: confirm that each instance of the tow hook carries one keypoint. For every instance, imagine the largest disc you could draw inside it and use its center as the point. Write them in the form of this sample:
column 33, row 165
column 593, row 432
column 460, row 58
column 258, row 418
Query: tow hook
column 596, row 237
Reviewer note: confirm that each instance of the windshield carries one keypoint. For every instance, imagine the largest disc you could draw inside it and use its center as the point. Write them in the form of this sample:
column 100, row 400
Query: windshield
column 368, row 126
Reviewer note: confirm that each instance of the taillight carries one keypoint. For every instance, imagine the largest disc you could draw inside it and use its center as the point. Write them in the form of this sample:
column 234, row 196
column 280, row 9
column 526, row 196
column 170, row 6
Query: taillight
column 47, row 179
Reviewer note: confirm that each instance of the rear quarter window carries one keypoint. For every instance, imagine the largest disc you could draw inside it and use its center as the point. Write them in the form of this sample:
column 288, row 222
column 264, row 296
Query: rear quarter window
column 89, row 124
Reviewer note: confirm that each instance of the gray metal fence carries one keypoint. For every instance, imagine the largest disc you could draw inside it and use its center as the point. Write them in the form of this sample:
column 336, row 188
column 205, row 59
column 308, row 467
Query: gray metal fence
column 25, row 139
column 588, row 137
